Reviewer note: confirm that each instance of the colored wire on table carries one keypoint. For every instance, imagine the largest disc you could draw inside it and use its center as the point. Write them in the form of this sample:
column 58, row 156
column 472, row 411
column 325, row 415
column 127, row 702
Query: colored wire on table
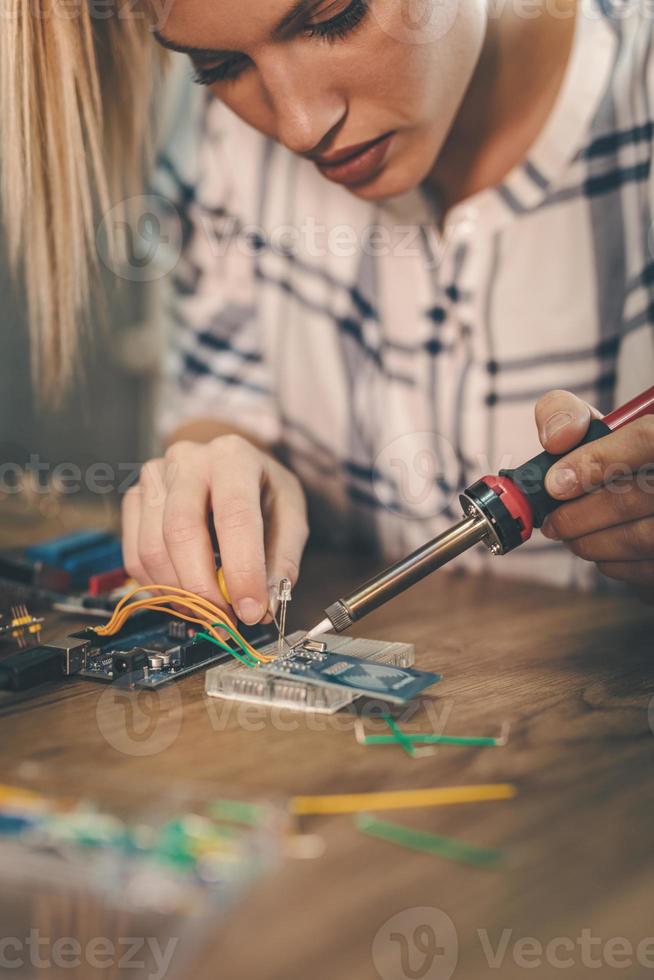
column 401, row 799
column 409, row 741
column 191, row 608
column 426, row 843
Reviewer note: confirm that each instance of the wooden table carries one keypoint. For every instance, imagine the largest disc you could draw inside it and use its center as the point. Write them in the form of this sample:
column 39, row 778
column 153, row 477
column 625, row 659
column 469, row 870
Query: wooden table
column 574, row 676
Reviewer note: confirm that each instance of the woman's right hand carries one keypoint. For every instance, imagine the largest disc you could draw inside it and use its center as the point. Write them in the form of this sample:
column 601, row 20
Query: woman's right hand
column 259, row 513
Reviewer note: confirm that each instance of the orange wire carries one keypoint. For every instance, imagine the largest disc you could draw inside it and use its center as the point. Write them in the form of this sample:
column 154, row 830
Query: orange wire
column 209, row 613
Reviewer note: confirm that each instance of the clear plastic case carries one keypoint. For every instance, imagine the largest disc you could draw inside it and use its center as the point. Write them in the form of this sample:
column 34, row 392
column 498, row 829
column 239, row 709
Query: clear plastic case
column 233, row 682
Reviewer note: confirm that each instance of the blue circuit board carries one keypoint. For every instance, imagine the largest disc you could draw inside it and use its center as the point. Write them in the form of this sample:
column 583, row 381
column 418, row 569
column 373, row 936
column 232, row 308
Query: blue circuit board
column 150, row 657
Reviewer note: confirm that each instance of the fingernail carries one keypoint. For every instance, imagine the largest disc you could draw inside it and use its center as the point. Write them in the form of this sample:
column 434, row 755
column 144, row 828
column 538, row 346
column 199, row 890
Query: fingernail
column 562, row 481
column 548, row 530
column 555, row 423
column 249, row 611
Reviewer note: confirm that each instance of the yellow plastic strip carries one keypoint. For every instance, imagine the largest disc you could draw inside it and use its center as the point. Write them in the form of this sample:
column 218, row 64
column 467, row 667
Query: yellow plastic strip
column 401, row 799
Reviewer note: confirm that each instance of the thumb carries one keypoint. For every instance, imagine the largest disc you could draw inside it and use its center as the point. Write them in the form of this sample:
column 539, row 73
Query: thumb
column 562, row 421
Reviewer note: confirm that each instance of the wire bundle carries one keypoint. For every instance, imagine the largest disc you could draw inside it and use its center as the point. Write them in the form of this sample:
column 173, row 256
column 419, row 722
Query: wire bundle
column 192, row 609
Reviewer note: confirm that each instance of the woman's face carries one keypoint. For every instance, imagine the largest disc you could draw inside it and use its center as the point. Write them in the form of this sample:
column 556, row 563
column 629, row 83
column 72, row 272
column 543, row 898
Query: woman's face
column 368, row 89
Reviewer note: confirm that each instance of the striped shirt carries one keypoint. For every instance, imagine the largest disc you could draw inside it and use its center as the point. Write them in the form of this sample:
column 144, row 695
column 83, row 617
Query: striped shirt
column 391, row 363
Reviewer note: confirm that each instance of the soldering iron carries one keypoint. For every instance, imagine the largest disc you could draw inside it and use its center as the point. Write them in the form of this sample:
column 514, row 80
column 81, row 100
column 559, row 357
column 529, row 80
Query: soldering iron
column 499, row 511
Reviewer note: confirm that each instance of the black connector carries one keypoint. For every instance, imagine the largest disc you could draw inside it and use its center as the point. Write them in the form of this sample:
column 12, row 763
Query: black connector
column 29, row 668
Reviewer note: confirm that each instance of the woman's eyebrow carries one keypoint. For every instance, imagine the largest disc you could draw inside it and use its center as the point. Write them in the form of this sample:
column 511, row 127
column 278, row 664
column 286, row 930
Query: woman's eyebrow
column 166, row 42
column 298, row 11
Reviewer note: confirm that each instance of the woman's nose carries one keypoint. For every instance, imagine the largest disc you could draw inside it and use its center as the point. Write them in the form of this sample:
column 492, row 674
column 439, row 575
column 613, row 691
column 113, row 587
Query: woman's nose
column 306, row 105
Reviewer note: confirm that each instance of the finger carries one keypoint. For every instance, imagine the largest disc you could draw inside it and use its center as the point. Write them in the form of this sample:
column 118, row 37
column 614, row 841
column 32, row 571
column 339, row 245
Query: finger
column 562, row 420
column 638, row 573
column 153, row 553
column 627, row 542
column 286, row 534
column 185, row 527
column 610, row 506
column 130, row 519
column 236, row 481
column 610, row 458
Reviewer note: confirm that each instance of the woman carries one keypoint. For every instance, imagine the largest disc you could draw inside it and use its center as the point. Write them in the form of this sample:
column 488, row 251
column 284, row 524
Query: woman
column 402, row 223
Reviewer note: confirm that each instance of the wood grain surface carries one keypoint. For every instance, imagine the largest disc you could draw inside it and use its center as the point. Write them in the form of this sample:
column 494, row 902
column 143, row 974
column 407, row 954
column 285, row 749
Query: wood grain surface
column 574, row 676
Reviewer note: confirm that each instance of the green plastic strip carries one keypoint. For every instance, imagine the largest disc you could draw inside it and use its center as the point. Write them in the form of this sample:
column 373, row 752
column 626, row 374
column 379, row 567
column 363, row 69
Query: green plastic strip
column 428, row 740
column 237, row 811
column 426, row 843
column 407, row 741
column 399, row 736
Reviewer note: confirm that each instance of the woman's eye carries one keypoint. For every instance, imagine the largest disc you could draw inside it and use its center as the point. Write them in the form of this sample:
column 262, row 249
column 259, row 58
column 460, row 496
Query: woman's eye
column 340, row 25
column 226, row 71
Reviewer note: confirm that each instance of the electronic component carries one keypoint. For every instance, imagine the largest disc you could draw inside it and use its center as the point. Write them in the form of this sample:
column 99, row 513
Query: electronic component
column 27, row 669
column 22, row 627
column 177, row 630
column 81, row 555
column 73, row 652
column 337, row 669
column 154, row 653
column 284, row 596
column 104, row 582
column 313, row 646
column 257, row 685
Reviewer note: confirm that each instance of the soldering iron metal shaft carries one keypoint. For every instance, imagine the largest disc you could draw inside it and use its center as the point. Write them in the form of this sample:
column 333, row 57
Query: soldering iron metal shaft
column 402, row 575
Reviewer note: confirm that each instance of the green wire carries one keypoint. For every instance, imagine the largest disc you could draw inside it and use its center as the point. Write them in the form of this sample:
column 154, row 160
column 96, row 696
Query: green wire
column 399, row 736
column 418, row 840
column 237, row 811
column 236, row 638
column 408, row 741
column 228, row 649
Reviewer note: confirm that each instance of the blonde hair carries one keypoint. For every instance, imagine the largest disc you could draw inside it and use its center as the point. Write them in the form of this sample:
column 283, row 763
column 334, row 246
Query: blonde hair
column 75, row 113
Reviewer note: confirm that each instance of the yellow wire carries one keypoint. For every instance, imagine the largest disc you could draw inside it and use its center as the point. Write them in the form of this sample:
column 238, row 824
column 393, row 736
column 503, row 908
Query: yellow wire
column 212, row 609
column 208, row 613
column 401, row 799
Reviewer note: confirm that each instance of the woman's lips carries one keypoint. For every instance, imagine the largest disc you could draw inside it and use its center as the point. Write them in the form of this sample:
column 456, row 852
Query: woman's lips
column 358, row 164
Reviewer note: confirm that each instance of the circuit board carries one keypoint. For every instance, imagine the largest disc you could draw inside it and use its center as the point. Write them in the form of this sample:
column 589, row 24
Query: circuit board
column 232, row 682
column 154, row 655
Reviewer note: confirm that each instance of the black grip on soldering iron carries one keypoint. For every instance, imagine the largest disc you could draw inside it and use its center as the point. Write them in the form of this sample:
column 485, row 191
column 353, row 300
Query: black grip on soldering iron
column 530, row 477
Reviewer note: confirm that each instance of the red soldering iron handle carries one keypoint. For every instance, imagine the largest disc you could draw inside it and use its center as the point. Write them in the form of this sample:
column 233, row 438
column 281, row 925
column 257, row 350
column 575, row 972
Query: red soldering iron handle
column 637, row 408
column 522, row 490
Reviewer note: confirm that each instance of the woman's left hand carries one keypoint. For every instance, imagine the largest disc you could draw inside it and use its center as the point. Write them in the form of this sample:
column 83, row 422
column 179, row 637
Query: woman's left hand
column 610, row 486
